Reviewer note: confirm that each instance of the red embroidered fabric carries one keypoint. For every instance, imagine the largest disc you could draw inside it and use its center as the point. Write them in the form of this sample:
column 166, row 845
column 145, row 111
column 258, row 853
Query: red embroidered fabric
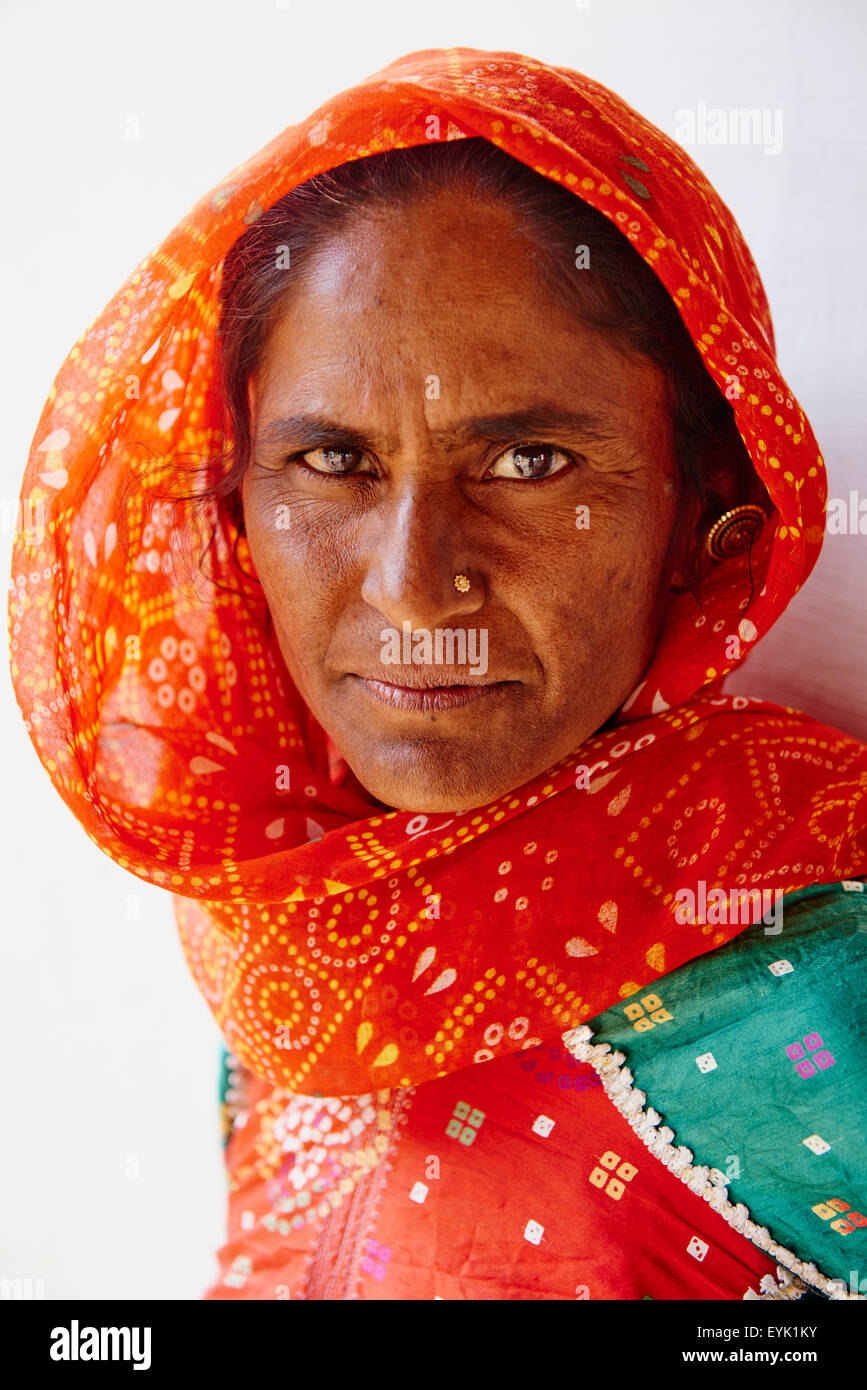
column 516, row 1179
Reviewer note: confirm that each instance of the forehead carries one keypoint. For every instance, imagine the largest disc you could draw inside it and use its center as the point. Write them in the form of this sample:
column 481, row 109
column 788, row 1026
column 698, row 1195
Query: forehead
column 446, row 288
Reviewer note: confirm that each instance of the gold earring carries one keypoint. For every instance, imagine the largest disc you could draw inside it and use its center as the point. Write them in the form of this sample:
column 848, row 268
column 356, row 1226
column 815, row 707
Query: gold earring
column 734, row 532
column 462, row 584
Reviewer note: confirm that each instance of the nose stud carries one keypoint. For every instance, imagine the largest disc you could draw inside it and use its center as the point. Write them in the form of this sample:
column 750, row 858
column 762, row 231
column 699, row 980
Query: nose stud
column 462, row 584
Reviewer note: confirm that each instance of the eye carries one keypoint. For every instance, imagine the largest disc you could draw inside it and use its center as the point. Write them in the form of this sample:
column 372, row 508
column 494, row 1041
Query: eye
column 530, row 461
column 331, row 461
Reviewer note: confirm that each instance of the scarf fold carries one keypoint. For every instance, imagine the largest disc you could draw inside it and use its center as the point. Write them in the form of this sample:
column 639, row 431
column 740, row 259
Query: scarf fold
column 340, row 947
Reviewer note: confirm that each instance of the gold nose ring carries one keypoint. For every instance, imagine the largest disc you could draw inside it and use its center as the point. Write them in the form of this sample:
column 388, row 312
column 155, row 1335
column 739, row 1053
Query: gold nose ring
column 462, row 584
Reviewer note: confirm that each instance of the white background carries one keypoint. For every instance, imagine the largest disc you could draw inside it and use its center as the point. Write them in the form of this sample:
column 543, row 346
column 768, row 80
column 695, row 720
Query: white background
column 109, row 1053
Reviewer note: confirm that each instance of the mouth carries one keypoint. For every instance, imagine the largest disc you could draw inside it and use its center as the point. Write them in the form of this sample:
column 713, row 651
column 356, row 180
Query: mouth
column 426, row 696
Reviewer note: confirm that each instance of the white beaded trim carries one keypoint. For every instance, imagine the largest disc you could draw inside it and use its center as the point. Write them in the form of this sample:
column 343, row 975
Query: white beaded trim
column 794, row 1275
column 785, row 1285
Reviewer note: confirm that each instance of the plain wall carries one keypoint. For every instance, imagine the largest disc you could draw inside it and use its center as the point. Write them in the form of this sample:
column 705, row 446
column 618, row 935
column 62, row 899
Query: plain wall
column 111, row 1177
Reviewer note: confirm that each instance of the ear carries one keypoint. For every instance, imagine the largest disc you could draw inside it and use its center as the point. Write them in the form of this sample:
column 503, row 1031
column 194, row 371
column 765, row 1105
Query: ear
column 686, row 555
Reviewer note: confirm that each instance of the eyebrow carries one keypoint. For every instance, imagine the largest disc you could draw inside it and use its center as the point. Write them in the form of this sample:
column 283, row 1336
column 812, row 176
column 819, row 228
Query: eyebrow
column 314, row 430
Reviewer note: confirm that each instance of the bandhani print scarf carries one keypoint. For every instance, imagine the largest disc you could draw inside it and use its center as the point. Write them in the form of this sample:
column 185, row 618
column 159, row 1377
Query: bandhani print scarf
column 351, row 954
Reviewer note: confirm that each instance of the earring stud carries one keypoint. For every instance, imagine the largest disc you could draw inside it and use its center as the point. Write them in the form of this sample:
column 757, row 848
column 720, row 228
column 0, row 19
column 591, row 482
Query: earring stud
column 734, row 532
column 462, row 584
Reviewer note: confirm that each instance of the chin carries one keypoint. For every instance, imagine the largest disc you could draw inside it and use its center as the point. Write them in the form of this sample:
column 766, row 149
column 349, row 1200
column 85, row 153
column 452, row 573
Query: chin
column 409, row 779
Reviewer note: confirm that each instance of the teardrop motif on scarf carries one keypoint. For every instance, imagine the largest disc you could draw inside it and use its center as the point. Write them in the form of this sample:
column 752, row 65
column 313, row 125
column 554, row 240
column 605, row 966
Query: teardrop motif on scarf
column 389, row 1054
column 57, row 478
column 146, row 356
column 442, row 981
column 202, row 766
column 599, row 782
column 180, row 287
column 655, row 957
column 224, row 743
column 577, row 946
column 221, row 198
column 54, row 442
column 607, row 916
column 617, row 803
column 425, row 959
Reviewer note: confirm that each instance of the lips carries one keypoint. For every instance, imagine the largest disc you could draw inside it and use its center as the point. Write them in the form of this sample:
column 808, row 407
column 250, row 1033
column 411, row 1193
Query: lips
column 428, row 694
column 414, row 678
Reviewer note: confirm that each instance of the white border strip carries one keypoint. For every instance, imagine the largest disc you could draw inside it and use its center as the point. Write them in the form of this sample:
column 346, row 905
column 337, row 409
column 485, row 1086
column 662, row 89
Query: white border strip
column 794, row 1276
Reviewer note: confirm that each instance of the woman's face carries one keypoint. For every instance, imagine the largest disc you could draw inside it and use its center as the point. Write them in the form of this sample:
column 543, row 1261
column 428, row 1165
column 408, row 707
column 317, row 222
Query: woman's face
column 455, row 419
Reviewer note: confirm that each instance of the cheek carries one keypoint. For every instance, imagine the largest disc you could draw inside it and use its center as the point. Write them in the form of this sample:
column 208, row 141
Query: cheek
column 600, row 604
column 284, row 562
column 284, row 546
column 305, row 545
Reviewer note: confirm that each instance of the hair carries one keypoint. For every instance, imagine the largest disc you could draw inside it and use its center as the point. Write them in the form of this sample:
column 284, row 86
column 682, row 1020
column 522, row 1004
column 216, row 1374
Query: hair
column 618, row 294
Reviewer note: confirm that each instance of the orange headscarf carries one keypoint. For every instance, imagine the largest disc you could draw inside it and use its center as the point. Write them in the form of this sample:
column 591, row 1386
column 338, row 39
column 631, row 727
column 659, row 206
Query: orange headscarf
column 342, row 951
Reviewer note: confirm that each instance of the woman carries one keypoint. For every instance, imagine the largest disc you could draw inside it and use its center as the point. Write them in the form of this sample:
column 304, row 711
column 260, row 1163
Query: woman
column 408, row 507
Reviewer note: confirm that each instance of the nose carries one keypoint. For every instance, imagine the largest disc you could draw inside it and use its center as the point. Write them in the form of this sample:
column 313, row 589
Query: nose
column 423, row 543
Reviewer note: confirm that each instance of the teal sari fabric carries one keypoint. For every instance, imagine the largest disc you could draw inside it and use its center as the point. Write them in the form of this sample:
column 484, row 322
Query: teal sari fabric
column 755, row 1055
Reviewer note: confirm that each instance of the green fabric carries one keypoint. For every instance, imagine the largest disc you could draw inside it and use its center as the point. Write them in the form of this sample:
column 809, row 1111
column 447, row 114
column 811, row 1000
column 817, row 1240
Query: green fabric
column 225, row 1082
column 748, row 1115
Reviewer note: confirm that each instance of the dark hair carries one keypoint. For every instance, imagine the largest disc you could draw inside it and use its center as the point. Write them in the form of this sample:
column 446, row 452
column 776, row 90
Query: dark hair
column 618, row 293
